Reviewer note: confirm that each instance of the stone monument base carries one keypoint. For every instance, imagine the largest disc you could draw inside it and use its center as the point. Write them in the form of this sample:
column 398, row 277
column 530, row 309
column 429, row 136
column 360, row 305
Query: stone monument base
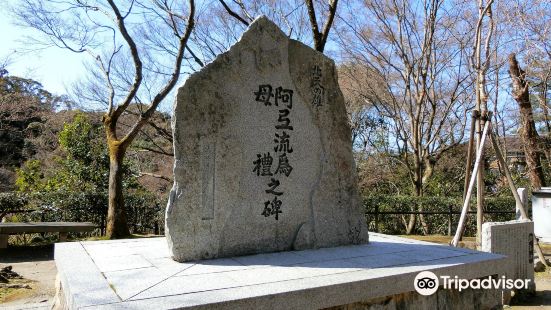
column 140, row 274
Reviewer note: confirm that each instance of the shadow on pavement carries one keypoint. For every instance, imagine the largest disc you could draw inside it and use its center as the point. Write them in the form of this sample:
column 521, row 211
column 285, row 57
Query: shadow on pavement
column 18, row 254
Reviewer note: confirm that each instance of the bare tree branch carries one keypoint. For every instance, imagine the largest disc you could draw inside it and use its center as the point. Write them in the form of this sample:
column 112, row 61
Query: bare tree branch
column 170, row 84
column 137, row 67
column 155, row 176
column 320, row 38
column 232, row 13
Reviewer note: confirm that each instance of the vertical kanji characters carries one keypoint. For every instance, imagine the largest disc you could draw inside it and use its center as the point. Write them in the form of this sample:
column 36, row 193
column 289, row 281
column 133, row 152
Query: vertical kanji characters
column 318, row 91
column 272, row 207
column 282, row 143
column 283, row 166
column 274, row 183
column 264, row 94
column 284, row 120
column 264, row 161
column 284, row 96
column 263, row 164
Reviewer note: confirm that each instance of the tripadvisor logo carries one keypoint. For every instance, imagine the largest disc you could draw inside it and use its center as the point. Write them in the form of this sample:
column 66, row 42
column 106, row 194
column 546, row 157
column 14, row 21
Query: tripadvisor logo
column 426, row 283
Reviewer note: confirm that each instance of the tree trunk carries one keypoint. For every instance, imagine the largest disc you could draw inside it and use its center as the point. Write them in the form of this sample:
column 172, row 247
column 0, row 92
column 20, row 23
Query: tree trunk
column 411, row 223
column 528, row 133
column 547, row 149
column 117, row 227
column 417, row 184
column 419, row 193
column 428, row 170
column 480, row 188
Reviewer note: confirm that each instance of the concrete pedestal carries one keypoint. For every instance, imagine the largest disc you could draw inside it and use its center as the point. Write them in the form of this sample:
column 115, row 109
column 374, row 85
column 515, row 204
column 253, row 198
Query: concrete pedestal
column 139, row 274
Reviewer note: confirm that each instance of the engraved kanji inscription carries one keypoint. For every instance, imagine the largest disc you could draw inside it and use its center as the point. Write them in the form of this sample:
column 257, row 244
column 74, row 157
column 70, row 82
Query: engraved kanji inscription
column 283, row 166
column 283, row 99
column 284, row 120
column 318, row 91
column 274, row 183
column 263, row 164
column 284, row 96
column 272, row 207
column 264, row 94
column 282, row 143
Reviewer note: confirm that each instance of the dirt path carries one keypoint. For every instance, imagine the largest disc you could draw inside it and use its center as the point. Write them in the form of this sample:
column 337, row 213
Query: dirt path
column 36, row 265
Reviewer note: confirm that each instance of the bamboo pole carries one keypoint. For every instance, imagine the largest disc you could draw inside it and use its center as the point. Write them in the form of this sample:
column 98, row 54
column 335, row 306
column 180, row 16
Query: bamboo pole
column 484, row 117
column 465, row 209
column 475, row 115
column 505, row 169
column 519, row 203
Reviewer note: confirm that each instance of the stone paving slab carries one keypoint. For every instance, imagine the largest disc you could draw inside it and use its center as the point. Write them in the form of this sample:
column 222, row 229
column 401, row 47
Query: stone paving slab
column 139, row 274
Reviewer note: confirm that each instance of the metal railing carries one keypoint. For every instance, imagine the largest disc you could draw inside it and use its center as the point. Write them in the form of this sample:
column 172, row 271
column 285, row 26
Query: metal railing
column 450, row 212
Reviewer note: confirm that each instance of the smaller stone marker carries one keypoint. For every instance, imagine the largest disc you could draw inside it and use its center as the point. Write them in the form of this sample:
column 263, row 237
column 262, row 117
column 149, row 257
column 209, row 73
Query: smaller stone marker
column 263, row 153
column 523, row 194
column 541, row 213
column 515, row 239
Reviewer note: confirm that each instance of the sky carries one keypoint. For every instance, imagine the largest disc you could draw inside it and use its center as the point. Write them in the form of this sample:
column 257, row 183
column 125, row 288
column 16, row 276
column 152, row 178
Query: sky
column 54, row 68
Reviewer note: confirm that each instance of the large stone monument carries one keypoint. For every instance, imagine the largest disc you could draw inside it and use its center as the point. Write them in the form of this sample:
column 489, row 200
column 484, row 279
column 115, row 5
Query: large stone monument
column 263, row 154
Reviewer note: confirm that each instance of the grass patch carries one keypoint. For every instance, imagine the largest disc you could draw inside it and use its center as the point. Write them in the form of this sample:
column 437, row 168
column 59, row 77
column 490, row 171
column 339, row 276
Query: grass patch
column 543, row 275
column 467, row 242
column 5, row 293
column 545, row 248
column 10, row 294
column 94, row 238
column 436, row 238
column 133, row 236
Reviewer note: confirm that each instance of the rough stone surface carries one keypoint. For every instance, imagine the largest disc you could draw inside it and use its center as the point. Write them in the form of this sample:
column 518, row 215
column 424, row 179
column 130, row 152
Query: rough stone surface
column 59, row 297
column 228, row 117
column 515, row 240
column 539, row 267
column 442, row 299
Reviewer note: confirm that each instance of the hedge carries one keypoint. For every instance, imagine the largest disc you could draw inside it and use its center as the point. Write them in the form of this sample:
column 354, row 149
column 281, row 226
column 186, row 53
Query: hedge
column 437, row 223
column 144, row 213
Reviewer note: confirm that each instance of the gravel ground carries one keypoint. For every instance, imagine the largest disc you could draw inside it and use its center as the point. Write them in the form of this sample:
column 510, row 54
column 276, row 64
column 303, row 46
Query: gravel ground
column 36, row 265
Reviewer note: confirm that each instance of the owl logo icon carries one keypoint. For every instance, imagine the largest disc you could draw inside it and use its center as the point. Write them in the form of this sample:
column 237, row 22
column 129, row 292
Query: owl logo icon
column 426, row 283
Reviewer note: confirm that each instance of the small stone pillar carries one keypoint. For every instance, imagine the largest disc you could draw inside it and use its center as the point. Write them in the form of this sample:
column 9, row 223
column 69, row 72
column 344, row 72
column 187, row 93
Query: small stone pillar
column 515, row 239
column 523, row 194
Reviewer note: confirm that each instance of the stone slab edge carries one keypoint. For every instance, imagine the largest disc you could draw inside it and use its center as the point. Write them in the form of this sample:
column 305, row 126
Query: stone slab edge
column 82, row 282
column 323, row 291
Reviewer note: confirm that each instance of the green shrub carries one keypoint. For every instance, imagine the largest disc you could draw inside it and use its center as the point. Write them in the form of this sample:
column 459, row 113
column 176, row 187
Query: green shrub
column 144, row 211
column 437, row 223
column 12, row 201
column 73, row 186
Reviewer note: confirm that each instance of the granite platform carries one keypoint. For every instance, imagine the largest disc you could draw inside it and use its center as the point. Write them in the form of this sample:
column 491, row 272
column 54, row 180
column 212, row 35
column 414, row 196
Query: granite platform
column 140, row 274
